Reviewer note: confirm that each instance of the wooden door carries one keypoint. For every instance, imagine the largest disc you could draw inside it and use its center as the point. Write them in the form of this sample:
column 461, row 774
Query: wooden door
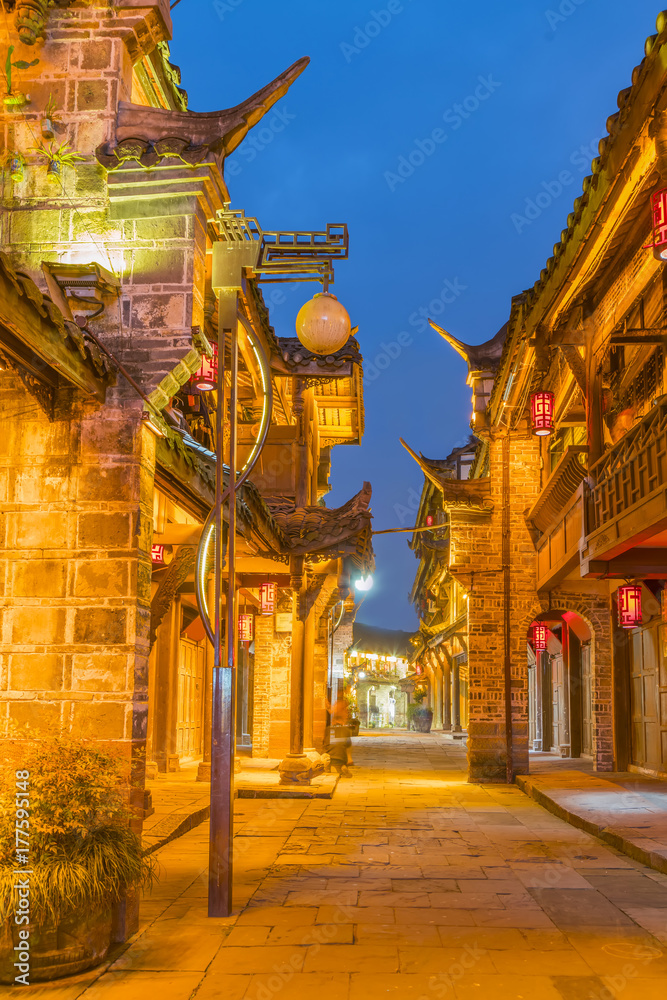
column 190, row 699
column 558, row 701
column 662, row 696
column 648, row 685
column 586, row 702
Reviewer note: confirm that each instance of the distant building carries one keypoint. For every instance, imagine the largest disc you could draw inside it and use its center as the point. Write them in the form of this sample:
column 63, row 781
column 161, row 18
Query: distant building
column 376, row 668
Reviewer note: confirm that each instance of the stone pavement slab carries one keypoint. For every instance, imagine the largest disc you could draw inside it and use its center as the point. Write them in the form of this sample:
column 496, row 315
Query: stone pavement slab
column 439, row 890
column 627, row 811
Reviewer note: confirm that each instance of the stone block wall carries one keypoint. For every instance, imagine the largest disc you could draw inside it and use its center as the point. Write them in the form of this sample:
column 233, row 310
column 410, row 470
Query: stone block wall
column 75, row 570
column 155, row 246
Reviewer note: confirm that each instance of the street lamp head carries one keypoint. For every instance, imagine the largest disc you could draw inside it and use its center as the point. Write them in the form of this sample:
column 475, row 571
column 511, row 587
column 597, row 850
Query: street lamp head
column 363, row 583
column 322, row 324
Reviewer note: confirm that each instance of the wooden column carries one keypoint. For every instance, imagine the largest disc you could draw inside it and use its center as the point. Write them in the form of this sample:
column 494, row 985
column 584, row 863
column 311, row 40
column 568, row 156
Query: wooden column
column 539, row 708
column 437, row 692
column 566, row 686
column 445, row 663
column 309, row 677
column 547, row 703
column 166, row 689
column 574, row 691
column 296, row 767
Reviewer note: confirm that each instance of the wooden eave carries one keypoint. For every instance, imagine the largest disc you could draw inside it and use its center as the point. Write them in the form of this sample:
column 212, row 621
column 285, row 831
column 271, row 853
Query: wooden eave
column 612, row 205
column 189, row 479
column 35, row 335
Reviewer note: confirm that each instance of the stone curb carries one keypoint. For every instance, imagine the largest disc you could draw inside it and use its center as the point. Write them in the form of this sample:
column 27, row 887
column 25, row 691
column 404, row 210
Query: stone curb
column 182, row 823
column 186, row 823
column 651, row 859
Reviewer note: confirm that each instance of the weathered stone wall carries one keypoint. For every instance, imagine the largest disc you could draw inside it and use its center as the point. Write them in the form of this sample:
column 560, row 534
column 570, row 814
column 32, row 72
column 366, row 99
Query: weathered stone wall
column 75, row 530
column 147, row 227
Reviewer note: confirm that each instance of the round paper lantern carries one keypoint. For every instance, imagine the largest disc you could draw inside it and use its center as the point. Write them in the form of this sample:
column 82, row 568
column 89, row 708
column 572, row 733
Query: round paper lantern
column 323, row 325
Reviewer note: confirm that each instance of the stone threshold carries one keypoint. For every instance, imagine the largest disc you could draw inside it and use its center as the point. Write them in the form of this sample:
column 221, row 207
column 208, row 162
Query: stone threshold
column 625, row 819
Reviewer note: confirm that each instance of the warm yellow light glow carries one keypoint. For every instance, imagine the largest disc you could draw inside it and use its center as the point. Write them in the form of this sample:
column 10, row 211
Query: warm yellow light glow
column 323, row 325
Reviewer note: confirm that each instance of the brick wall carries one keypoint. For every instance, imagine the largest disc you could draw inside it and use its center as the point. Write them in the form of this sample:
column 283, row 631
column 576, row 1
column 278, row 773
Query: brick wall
column 271, row 689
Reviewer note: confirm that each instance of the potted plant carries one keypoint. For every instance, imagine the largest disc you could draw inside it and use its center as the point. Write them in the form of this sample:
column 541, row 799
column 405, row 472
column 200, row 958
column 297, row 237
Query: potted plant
column 57, row 157
column 16, row 165
column 419, row 715
column 15, row 100
column 50, row 118
column 82, row 859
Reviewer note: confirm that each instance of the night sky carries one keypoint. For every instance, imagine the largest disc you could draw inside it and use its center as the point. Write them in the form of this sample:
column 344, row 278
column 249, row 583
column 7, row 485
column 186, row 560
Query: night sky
column 452, row 138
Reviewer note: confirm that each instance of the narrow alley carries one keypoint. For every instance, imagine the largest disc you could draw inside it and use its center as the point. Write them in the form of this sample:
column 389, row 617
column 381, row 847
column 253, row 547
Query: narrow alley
column 409, row 883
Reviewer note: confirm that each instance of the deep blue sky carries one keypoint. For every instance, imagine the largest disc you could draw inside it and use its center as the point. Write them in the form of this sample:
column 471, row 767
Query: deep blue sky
column 554, row 69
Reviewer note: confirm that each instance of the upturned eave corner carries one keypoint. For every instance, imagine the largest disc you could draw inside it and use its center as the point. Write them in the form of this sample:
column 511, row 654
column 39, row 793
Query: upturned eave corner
column 149, row 135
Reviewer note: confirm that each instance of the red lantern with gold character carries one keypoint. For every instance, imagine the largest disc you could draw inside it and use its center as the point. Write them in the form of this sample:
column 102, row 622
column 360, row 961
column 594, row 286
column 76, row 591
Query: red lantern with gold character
column 267, row 597
column 542, row 413
column 206, row 379
column 246, row 630
column 659, row 219
column 540, row 635
column 629, row 600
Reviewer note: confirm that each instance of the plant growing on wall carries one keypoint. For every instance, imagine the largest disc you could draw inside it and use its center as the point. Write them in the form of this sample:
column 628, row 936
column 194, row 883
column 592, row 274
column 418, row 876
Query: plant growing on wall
column 57, row 157
column 15, row 163
column 51, row 117
column 15, row 99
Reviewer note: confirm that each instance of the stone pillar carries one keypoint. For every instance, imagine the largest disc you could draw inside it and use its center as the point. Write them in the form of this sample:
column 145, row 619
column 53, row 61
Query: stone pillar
column 456, row 696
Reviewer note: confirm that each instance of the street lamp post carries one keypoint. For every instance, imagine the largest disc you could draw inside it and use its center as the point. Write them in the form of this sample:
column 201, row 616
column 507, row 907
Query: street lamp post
column 272, row 257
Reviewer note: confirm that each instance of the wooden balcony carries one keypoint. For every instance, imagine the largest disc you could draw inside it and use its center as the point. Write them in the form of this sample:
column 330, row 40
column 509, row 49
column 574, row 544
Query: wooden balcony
column 628, row 497
column 558, row 547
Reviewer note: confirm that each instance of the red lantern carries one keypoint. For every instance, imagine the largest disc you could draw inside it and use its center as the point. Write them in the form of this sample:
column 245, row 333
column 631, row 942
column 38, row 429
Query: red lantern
column 659, row 218
column 540, row 635
column 629, row 600
column 206, row 379
column 246, row 630
column 267, row 596
column 157, row 555
column 542, row 412
column 429, row 520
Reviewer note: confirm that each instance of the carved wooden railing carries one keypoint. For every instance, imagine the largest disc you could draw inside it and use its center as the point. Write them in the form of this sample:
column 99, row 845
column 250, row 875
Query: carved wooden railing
column 630, row 471
column 561, row 485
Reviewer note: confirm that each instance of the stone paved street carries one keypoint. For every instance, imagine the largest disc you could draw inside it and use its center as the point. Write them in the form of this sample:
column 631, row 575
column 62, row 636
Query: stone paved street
column 410, row 883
